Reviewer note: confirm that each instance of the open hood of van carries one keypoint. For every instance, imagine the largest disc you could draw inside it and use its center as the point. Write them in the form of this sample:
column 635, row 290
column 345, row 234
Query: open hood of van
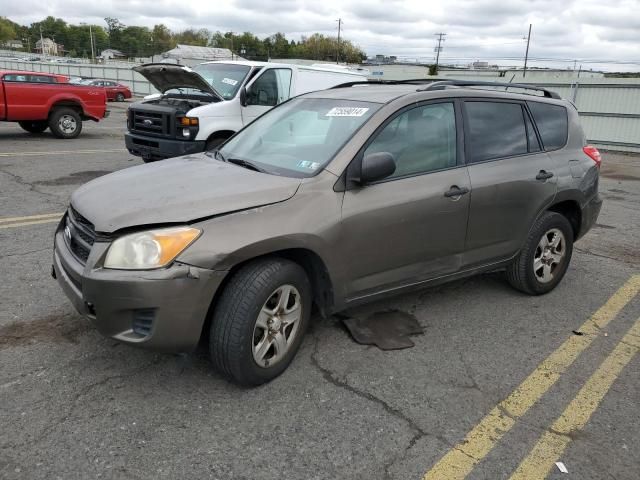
column 165, row 76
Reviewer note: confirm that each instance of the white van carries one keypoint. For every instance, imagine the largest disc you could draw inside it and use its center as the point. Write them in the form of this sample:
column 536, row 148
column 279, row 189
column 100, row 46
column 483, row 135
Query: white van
column 199, row 108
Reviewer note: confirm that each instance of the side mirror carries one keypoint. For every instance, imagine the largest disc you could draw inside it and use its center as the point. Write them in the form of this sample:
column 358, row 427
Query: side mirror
column 243, row 96
column 377, row 166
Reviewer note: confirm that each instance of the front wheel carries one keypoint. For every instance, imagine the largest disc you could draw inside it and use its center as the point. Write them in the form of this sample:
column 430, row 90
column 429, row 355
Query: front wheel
column 65, row 123
column 38, row 126
column 259, row 321
column 545, row 257
column 120, row 97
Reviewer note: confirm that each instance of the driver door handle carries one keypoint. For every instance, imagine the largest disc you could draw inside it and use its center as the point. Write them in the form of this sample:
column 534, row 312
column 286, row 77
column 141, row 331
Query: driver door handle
column 456, row 191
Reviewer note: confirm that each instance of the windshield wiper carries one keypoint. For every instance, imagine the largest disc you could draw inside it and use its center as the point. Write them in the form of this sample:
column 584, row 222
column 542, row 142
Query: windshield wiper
column 246, row 164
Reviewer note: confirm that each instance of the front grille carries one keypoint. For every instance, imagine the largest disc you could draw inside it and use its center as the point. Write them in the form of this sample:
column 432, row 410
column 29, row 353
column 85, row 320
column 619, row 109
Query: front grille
column 79, row 234
column 155, row 123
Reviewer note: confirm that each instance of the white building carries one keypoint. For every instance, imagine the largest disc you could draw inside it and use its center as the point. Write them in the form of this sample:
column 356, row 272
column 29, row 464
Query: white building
column 192, row 55
column 47, row 46
column 110, row 54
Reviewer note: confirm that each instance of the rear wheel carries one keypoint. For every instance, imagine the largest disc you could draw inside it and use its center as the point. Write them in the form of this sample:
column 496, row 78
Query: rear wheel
column 34, row 126
column 544, row 259
column 65, row 123
column 259, row 321
column 120, row 97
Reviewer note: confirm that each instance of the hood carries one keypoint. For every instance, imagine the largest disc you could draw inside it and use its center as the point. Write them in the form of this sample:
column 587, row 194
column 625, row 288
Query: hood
column 165, row 76
column 178, row 190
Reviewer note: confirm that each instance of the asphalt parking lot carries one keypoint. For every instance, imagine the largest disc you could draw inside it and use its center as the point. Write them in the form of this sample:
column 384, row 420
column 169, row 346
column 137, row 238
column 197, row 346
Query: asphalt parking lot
column 498, row 387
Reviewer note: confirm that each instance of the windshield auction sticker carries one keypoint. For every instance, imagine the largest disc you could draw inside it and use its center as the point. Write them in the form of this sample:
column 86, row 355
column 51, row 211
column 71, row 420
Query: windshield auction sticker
column 230, row 81
column 347, row 112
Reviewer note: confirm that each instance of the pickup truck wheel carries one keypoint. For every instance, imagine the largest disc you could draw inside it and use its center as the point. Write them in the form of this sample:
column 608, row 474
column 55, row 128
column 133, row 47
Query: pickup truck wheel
column 120, row 97
column 545, row 257
column 35, row 126
column 259, row 320
column 65, row 123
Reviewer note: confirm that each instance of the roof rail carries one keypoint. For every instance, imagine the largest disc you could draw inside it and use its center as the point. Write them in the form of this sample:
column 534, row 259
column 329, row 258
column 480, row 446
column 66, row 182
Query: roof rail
column 413, row 81
column 442, row 84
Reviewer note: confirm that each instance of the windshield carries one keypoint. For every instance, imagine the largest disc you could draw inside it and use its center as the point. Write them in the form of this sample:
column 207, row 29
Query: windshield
column 298, row 138
column 226, row 79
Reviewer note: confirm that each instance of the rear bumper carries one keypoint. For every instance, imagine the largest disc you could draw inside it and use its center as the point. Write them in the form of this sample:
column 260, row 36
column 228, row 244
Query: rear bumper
column 590, row 214
column 159, row 309
column 153, row 148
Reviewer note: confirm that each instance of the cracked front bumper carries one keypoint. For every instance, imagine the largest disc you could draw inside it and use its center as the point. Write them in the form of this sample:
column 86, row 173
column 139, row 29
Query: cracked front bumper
column 161, row 309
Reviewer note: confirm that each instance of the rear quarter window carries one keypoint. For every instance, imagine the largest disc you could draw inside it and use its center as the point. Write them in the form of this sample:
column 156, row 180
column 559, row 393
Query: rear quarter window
column 552, row 123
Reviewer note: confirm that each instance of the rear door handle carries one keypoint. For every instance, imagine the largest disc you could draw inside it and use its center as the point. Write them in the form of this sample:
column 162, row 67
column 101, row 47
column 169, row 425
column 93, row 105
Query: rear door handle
column 543, row 175
column 456, row 191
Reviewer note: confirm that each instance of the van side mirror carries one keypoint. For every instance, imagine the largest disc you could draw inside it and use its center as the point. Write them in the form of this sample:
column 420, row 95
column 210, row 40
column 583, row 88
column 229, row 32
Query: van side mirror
column 377, row 166
column 243, row 96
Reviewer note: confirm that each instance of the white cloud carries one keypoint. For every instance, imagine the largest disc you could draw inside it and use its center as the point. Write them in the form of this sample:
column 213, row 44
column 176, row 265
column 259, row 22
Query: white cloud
column 487, row 29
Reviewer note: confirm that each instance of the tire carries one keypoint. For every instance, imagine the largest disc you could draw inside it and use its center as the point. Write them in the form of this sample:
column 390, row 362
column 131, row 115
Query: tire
column 551, row 262
column 65, row 123
column 214, row 142
column 120, row 97
column 37, row 126
column 243, row 342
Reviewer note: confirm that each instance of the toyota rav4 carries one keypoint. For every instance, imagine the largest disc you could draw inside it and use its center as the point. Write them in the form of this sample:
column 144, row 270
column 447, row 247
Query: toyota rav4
column 332, row 199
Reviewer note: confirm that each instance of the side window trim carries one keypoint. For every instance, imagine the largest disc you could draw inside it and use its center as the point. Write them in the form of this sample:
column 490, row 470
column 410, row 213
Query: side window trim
column 529, row 116
column 357, row 159
column 465, row 115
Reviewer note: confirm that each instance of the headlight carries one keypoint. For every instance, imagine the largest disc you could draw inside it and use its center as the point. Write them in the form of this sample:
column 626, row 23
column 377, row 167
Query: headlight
column 150, row 249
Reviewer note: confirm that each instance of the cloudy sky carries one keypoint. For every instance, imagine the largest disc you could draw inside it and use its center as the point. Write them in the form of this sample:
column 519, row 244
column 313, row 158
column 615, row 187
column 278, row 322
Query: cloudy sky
column 585, row 30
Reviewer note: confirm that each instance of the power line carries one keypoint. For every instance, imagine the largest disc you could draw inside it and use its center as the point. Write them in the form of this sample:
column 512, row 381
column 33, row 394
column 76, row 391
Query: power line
column 439, row 47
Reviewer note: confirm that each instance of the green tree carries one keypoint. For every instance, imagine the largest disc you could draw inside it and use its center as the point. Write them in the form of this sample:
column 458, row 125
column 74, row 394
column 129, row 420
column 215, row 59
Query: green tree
column 7, row 30
column 191, row 36
column 162, row 39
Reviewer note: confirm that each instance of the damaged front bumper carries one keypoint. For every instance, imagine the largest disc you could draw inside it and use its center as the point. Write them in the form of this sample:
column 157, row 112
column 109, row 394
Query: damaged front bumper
column 162, row 309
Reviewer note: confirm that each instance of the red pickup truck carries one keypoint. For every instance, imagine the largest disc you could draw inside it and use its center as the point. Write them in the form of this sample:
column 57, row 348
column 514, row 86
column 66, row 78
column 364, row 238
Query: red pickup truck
column 38, row 101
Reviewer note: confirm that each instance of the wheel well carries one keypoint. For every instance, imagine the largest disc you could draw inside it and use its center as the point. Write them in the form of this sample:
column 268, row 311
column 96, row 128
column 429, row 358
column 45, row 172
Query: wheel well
column 571, row 210
column 69, row 104
column 220, row 134
column 322, row 288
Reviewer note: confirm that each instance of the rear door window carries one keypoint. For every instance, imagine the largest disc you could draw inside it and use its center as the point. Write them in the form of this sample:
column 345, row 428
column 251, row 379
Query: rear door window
column 494, row 130
column 552, row 124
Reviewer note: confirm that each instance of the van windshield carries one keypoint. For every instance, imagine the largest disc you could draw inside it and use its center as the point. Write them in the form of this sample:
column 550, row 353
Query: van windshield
column 226, row 79
column 298, row 138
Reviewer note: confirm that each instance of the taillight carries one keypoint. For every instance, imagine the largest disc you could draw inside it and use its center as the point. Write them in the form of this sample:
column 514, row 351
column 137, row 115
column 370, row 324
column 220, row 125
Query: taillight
column 593, row 153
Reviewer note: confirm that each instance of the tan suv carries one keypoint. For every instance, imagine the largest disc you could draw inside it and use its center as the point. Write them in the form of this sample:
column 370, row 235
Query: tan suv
column 331, row 199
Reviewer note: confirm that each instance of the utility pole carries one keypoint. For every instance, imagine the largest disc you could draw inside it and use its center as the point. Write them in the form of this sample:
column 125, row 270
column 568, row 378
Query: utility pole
column 231, row 33
column 93, row 53
column 526, row 55
column 338, row 47
column 439, row 47
column 41, row 42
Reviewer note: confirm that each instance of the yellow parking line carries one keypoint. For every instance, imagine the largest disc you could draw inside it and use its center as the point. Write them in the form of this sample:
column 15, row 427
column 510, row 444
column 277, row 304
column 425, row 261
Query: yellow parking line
column 30, row 217
column 24, row 224
column 552, row 443
column 60, row 152
column 461, row 459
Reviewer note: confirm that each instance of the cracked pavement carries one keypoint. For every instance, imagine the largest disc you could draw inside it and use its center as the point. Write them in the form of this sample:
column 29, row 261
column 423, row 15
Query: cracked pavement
column 74, row 405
